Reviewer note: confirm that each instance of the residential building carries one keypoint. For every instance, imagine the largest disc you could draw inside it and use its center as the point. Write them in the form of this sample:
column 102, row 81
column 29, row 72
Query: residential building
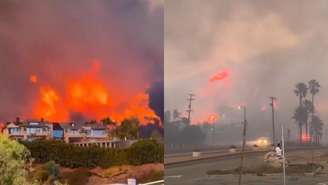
column 28, row 130
column 58, row 132
column 74, row 133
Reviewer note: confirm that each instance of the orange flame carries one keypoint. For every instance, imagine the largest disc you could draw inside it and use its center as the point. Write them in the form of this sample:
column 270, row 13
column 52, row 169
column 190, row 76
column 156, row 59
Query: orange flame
column 306, row 138
column 221, row 75
column 33, row 79
column 49, row 105
column 91, row 96
column 213, row 118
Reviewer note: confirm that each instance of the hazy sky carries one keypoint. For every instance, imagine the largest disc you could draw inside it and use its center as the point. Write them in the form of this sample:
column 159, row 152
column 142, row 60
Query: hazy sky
column 266, row 47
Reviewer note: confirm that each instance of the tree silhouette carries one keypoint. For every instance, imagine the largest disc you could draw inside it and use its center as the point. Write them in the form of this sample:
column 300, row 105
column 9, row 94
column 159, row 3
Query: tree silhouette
column 309, row 108
column 300, row 91
column 314, row 88
column 300, row 116
column 316, row 129
column 192, row 135
column 176, row 114
column 167, row 116
column 108, row 122
column 129, row 129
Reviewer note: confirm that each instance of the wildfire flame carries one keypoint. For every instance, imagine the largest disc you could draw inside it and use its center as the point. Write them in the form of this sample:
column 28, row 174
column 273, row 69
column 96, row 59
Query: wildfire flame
column 306, row 138
column 221, row 75
column 89, row 95
column 213, row 118
column 33, row 79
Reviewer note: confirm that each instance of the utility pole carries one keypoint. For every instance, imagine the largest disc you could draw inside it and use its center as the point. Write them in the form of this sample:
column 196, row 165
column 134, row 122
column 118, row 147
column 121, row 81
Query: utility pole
column 273, row 99
column 189, row 110
column 242, row 147
column 283, row 155
column 288, row 134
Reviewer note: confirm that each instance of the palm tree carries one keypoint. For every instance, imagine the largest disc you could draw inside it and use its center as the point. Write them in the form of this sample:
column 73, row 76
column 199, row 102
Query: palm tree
column 314, row 88
column 300, row 116
column 316, row 129
column 309, row 109
column 301, row 91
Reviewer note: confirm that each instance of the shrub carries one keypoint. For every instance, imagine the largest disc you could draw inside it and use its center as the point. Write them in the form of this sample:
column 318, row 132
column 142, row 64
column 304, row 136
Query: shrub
column 145, row 151
column 53, row 169
column 13, row 157
column 68, row 155
column 40, row 175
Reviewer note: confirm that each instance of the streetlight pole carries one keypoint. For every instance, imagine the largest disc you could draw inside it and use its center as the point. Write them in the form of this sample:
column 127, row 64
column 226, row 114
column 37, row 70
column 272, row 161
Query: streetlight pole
column 283, row 155
column 273, row 124
column 243, row 147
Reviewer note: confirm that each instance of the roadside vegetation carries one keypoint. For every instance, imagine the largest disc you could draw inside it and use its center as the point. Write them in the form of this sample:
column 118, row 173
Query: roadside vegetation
column 67, row 155
column 54, row 162
column 15, row 166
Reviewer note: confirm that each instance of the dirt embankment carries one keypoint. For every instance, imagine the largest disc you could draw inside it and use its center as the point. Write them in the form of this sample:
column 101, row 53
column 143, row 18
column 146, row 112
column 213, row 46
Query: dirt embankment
column 117, row 174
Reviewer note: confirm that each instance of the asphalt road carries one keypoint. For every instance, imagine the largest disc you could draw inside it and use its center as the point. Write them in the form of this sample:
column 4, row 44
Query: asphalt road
column 194, row 173
column 181, row 157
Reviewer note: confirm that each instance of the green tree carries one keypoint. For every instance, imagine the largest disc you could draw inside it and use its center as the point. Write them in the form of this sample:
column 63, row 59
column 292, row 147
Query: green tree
column 108, row 122
column 13, row 157
column 146, row 151
column 53, row 170
column 129, row 129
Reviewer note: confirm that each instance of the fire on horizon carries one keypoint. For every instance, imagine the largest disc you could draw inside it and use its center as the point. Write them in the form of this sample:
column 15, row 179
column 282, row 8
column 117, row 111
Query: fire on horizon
column 221, row 75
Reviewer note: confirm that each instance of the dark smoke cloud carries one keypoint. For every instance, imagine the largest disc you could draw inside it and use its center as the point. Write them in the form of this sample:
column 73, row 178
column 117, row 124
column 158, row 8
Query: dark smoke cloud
column 156, row 95
column 57, row 39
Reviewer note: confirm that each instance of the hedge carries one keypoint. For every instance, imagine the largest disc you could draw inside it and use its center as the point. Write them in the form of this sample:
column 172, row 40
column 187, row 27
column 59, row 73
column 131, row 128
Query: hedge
column 147, row 151
column 68, row 155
